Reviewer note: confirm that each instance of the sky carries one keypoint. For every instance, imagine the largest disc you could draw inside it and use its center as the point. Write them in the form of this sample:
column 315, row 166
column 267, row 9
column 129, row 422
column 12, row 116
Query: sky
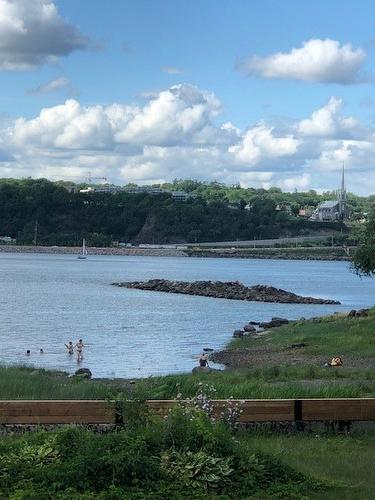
column 262, row 93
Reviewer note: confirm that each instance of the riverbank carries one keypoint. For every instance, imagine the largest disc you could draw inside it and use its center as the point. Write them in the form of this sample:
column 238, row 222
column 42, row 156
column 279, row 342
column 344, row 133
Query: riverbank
column 290, row 253
column 133, row 251
column 299, row 253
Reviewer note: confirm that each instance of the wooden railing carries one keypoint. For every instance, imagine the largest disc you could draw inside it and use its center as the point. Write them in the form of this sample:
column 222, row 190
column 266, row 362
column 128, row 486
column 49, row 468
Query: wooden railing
column 253, row 410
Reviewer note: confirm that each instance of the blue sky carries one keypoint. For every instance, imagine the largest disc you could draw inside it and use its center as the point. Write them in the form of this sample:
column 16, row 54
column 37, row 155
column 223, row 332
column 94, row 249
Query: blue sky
column 161, row 89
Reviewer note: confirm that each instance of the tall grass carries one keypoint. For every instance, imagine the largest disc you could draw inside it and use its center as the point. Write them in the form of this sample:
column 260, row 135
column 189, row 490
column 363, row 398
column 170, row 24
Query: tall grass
column 269, row 383
column 24, row 383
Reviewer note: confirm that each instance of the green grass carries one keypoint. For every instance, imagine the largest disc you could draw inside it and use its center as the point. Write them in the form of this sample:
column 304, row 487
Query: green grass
column 327, row 336
column 347, row 460
column 26, row 383
column 268, row 383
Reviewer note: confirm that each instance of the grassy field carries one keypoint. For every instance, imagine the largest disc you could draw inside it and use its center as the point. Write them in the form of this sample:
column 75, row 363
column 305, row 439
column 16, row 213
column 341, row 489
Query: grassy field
column 346, row 460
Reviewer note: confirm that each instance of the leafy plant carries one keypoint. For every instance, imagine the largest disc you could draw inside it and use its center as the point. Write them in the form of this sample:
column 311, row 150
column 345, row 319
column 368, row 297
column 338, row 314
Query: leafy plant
column 198, row 470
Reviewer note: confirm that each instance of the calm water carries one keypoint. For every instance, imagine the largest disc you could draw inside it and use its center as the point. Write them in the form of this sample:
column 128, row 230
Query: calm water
column 47, row 300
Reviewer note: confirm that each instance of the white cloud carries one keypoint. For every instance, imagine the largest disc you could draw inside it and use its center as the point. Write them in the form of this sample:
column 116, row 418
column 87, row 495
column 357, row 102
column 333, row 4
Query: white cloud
column 33, row 33
column 259, row 144
column 324, row 61
column 55, row 85
column 328, row 122
column 176, row 133
column 299, row 182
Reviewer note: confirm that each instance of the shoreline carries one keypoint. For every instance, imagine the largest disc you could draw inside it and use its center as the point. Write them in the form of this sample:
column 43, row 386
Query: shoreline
column 313, row 254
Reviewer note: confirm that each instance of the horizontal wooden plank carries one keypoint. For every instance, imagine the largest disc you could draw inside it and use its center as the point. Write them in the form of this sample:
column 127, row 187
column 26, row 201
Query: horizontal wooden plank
column 253, row 410
column 350, row 409
column 57, row 419
column 55, row 408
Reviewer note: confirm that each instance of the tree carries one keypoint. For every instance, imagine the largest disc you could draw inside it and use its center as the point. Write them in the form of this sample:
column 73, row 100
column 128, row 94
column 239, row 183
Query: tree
column 364, row 258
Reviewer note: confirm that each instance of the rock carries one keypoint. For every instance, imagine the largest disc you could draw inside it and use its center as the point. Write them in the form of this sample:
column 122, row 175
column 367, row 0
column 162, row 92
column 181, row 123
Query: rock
column 232, row 290
column 362, row 313
column 238, row 334
column 83, row 373
column 207, row 349
column 255, row 323
column 203, row 369
column 274, row 323
column 282, row 321
column 249, row 328
column 298, row 346
column 352, row 313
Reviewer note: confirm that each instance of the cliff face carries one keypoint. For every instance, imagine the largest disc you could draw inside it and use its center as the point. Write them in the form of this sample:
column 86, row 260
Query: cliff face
column 232, row 290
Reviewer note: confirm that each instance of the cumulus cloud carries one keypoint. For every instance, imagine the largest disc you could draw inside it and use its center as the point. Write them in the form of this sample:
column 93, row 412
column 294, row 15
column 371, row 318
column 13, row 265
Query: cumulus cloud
column 259, row 144
column 178, row 115
column 55, row 85
column 33, row 33
column 324, row 61
column 176, row 133
column 328, row 122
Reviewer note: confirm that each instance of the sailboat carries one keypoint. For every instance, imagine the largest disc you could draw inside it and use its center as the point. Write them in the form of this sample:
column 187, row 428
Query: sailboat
column 83, row 254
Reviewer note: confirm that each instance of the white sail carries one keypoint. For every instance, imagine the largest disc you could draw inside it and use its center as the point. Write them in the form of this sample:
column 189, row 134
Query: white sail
column 83, row 253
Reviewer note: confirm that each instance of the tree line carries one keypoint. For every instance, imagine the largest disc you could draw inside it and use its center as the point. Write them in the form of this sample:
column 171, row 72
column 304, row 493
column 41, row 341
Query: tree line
column 56, row 213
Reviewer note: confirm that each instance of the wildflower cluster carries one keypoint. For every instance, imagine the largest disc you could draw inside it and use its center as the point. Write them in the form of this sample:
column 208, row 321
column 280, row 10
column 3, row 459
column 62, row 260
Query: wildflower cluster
column 203, row 401
column 231, row 412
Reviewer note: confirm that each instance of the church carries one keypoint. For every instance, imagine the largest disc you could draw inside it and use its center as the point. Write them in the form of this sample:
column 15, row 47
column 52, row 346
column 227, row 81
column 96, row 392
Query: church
column 333, row 210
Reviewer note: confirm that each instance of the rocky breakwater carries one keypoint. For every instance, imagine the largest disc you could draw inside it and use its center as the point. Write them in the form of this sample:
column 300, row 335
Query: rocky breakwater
column 233, row 290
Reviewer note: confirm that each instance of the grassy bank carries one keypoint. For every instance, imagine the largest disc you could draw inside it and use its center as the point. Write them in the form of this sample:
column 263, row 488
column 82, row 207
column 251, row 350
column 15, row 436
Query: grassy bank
column 327, row 336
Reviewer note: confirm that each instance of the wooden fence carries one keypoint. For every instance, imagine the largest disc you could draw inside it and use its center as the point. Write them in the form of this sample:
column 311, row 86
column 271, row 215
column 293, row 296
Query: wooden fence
column 253, row 410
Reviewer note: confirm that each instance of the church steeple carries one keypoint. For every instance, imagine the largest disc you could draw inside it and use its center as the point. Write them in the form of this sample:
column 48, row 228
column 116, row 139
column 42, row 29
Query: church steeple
column 342, row 196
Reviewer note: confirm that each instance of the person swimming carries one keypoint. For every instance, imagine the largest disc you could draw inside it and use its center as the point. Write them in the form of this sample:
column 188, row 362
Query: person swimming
column 28, row 352
column 41, row 351
column 70, row 347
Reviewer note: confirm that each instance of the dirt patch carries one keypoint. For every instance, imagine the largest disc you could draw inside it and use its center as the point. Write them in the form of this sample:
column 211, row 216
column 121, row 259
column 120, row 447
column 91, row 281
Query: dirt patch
column 260, row 356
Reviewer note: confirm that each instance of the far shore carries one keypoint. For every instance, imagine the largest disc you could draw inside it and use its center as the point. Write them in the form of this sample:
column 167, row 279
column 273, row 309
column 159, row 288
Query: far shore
column 298, row 253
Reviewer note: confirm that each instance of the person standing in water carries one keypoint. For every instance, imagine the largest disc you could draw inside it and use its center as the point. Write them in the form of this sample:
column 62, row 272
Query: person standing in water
column 79, row 347
column 70, row 347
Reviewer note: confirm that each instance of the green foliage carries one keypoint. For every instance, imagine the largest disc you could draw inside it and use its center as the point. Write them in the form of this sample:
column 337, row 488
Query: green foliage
column 364, row 258
column 134, row 462
column 198, row 470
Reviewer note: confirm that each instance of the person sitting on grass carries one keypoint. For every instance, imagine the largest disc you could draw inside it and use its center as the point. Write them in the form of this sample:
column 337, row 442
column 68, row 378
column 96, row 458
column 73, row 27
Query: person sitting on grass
column 335, row 361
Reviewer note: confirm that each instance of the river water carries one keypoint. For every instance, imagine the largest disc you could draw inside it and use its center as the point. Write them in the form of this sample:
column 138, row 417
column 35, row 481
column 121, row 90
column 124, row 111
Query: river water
column 46, row 300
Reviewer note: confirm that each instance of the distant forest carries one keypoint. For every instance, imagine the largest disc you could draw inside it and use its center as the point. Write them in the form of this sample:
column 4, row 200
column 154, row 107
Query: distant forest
column 56, row 213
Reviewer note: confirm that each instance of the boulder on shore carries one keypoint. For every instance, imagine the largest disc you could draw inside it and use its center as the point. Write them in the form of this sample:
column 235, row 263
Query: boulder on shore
column 203, row 369
column 233, row 290
column 83, row 373
column 275, row 322
column 249, row 328
column 237, row 334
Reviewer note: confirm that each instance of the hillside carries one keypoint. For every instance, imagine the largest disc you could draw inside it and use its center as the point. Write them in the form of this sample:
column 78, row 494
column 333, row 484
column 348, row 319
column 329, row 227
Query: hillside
column 59, row 214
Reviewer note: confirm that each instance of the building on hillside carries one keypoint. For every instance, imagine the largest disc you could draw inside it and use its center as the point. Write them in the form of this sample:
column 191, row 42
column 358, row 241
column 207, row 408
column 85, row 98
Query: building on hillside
column 180, row 195
column 333, row 210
